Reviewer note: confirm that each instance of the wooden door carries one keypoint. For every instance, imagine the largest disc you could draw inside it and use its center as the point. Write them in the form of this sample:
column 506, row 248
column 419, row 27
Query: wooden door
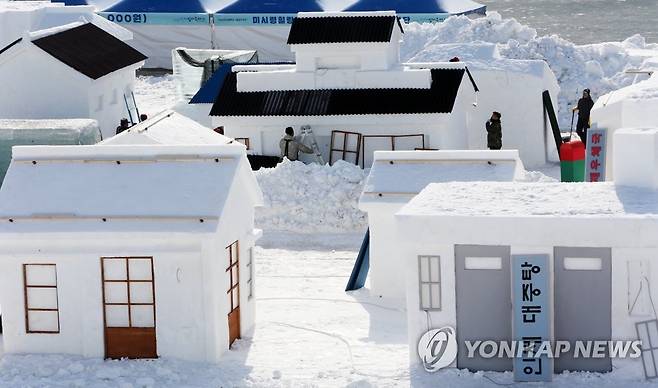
column 129, row 307
column 233, row 292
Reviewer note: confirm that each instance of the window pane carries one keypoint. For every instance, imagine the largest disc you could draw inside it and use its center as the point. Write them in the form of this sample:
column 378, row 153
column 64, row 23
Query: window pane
column 116, row 292
column 42, row 298
column 435, row 270
column 116, row 316
column 424, row 269
column 40, row 275
column 647, row 358
column 142, row 316
column 653, row 333
column 425, row 296
column 114, row 269
column 436, row 295
column 43, row 321
column 140, row 269
column 236, row 301
column 234, row 277
column 141, row 292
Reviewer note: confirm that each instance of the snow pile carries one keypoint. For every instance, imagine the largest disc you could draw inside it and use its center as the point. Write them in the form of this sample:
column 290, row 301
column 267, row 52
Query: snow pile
column 311, row 198
column 599, row 67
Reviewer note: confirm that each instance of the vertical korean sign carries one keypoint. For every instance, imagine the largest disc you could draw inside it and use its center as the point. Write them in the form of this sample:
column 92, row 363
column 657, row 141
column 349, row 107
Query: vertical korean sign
column 530, row 276
column 595, row 158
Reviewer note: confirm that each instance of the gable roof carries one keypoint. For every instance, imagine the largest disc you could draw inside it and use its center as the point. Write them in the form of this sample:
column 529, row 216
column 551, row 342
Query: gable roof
column 90, row 50
column 439, row 98
column 124, row 182
column 459, row 7
column 342, row 29
column 169, row 128
column 399, row 175
column 271, row 6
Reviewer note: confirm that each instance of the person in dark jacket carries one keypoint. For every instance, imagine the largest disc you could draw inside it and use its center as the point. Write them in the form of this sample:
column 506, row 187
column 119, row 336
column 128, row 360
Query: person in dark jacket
column 494, row 132
column 291, row 146
column 584, row 108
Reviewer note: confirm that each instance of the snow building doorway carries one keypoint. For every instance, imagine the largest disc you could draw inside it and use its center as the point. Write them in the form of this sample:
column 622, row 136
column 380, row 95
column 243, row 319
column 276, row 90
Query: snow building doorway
column 583, row 300
column 129, row 307
column 484, row 303
column 233, row 292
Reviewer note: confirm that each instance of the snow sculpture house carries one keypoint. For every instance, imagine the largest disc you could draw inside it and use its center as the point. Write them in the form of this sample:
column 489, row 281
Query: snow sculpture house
column 168, row 128
column 90, row 74
column 628, row 107
column 349, row 87
column 461, row 247
column 398, row 176
column 128, row 251
column 513, row 87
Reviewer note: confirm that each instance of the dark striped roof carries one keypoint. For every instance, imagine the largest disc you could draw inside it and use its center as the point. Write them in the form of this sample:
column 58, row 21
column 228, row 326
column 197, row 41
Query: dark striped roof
column 439, row 98
column 90, row 50
column 342, row 29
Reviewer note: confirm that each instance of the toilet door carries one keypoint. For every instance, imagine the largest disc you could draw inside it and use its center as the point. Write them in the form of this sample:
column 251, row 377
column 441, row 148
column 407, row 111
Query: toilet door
column 582, row 304
column 129, row 307
column 484, row 302
column 233, row 293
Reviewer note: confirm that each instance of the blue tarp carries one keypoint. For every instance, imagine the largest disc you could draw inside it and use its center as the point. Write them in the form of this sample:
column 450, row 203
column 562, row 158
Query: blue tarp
column 209, row 91
column 419, row 6
column 272, row 6
column 71, row 2
column 157, row 6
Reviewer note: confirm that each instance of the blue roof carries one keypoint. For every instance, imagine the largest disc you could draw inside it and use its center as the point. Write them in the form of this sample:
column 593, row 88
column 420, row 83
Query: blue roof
column 157, row 6
column 210, row 90
column 418, row 6
column 272, row 6
column 71, row 2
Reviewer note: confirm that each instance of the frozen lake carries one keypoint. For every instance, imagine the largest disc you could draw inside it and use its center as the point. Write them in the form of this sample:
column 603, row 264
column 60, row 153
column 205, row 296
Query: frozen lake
column 584, row 21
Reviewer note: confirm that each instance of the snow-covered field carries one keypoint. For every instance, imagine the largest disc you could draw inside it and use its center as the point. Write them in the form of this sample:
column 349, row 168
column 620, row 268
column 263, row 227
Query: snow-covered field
column 309, row 332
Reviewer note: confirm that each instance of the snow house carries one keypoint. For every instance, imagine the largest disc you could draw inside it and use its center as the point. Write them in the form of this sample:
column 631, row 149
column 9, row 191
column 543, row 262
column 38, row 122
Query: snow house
column 349, row 87
column 91, row 74
column 396, row 177
column 631, row 106
column 590, row 248
column 136, row 251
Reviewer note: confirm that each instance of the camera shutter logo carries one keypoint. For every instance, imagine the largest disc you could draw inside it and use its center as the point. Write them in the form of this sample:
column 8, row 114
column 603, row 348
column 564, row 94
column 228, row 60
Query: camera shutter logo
column 438, row 348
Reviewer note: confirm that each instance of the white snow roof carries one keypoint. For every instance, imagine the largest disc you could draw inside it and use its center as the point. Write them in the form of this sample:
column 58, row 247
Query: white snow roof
column 169, row 128
column 124, row 182
column 518, row 199
column 398, row 175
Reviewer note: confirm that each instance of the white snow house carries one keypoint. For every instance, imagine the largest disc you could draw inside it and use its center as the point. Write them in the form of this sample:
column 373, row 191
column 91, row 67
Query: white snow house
column 168, row 127
column 127, row 251
column 632, row 106
column 90, row 74
column 593, row 246
column 513, row 87
column 350, row 88
column 398, row 176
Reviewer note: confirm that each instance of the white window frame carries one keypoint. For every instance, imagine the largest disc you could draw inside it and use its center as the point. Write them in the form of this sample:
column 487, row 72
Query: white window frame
column 250, row 274
column 422, row 303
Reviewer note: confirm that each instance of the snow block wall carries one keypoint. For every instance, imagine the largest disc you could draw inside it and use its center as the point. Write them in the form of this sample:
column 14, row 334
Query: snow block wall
column 311, row 198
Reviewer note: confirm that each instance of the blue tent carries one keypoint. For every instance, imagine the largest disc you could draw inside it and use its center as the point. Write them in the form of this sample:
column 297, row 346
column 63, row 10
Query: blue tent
column 71, row 2
column 421, row 10
column 157, row 6
column 272, row 6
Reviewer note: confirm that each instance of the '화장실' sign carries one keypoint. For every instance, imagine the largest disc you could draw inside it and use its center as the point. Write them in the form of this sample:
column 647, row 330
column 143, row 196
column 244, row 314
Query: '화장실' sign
column 530, row 276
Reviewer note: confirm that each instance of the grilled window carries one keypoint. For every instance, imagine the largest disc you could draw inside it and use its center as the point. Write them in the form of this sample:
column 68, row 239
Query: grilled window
column 429, row 272
column 41, row 305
